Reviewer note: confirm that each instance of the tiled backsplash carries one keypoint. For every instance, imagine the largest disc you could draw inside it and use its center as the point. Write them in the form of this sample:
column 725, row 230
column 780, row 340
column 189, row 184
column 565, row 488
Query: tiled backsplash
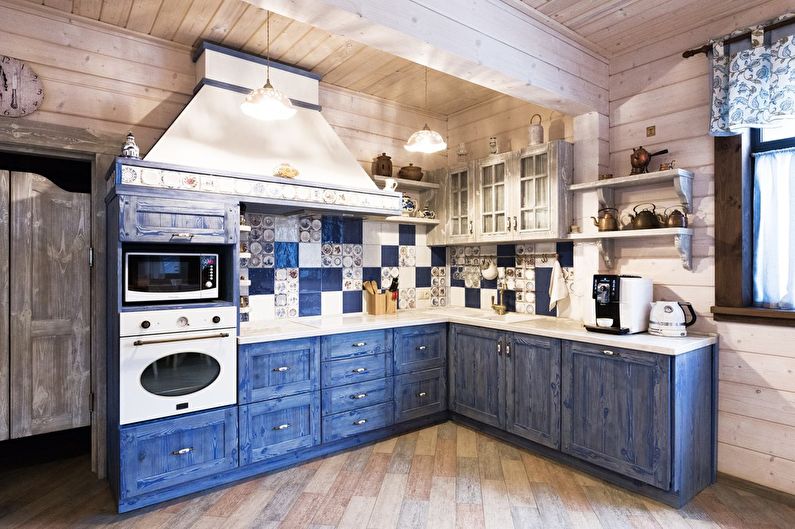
column 313, row 265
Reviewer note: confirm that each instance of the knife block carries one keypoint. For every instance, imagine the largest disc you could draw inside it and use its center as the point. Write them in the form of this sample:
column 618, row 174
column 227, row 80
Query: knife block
column 377, row 304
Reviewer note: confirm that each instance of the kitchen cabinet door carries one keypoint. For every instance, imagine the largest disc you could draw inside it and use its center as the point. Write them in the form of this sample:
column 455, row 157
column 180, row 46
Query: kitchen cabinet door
column 476, row 373
column 494, row 175
column 533, row 388
column 50, row 304
column 4, row 314
column 616, row 410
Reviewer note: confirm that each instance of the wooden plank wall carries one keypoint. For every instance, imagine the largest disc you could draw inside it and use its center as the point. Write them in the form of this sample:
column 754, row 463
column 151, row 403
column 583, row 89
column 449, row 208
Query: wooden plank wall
column 656, row 86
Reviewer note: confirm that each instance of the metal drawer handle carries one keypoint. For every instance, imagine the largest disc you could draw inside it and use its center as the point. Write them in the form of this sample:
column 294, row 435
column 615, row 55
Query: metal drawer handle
column 360, row 344
column 508, row 350
column 359, row 422
column 281, row 427
column 182, row 451
column 182, row 236
column 360, row 370
column 422, row 347
column 471, row 230
column 608, row 352
column 422, row 394
column 281, row 369
column 499, row 348
column 359, row 396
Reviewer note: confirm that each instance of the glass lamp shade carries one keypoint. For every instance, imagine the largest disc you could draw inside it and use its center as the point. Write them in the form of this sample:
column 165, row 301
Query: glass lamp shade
column 267, row 104
column 426, row 141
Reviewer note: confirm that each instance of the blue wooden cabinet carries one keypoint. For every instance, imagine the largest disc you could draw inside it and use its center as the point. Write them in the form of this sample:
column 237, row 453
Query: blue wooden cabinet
column 358, row 369
column 419, row 348
column 352, row 396
column 275, row 427
column 155, row 219
column 419, row 394
column 532, row 374
column 165, row 453
column 350, row 345
column 617, row 410
column 476, row 373
column 278, row 369
column 354, row 422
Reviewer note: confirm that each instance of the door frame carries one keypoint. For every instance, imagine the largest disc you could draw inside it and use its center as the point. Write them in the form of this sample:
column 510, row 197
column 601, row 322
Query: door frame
column 24, row 136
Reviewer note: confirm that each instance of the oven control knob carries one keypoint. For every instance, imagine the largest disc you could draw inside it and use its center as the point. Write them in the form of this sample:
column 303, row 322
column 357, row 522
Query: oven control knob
column 182, row 321
column 216, row 319
column 145, row 324
column 208, row 284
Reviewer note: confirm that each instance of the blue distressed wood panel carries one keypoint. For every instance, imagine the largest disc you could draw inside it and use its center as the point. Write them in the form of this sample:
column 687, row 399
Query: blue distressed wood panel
column 617, row 410
column 533, row 388
column 358, row 421
column 359, row 369
column 355, row 344
column 476, row 376
column 419, row 348
column 161, row 454
column 275, row 427
column 359, row 395
column 419, row 394
column 278, row 369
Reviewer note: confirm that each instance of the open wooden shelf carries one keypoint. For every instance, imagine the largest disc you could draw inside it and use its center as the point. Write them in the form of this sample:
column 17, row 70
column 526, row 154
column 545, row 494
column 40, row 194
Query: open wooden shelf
column 408, row 185
column 682, row 240
column 399, row 219
column 681, row 180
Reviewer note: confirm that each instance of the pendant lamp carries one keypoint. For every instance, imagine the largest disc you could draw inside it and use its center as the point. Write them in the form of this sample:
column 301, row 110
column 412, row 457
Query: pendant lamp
column 426, row 140
column 267, row 103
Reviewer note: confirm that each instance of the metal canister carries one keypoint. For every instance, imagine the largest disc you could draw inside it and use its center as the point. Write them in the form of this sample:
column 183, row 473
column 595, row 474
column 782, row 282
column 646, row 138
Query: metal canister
column 536, row 130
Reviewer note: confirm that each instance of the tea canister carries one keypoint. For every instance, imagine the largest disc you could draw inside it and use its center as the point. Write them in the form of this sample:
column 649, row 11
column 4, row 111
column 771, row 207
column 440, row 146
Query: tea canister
column 382, row 165
column 536, row 130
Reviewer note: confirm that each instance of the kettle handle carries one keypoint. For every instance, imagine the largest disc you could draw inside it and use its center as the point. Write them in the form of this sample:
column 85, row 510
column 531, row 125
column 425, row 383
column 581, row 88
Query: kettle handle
column 689, row 307
column 653, row 207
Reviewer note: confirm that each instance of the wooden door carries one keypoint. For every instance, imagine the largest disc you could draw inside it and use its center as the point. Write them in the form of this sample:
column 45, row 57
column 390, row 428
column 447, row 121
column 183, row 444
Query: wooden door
column 50, row 300
column 4, row 315
column 533, row 388
column 616, row 410
column 494, row 179
column 476, row 374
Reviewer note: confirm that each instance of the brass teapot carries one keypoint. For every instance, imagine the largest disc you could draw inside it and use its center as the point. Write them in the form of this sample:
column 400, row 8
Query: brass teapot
column 646, row 218
column 606, row 221
column 676, row 219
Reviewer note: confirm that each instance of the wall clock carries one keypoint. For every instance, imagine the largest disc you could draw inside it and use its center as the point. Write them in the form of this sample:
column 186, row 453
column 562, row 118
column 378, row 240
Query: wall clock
column 21, row 91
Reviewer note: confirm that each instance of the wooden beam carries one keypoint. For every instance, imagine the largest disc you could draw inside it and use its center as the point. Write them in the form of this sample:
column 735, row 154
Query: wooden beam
column 489, row 43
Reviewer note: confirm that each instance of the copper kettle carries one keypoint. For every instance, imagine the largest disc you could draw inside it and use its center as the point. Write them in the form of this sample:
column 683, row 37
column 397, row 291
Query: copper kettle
column 640, row 159
column 646, row 218
column 606, row 221
column 676, row 219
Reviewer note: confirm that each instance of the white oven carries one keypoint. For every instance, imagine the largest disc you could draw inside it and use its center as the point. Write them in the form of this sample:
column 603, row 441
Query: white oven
column 176, row 361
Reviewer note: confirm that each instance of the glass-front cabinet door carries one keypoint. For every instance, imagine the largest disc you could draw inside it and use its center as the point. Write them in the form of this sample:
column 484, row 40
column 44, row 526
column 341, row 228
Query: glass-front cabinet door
column 533, row 192
column 460, row 224
column 494, row 175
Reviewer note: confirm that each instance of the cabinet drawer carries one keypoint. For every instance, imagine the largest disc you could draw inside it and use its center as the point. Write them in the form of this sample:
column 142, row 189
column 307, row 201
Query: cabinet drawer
column 161, row 454
column 168, row 220
column 278, row 369
column 419, row 348
column 356, row 344
column 354, row 370
column 357, row 421
column 360, row 395
column 275, row 427
column 419, row 394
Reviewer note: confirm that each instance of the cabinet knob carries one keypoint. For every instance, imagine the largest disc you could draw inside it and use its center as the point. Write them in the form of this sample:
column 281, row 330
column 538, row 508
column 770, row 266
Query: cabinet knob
column 281, row 427
column 608, row 352
column 499, row 348
column 508, row 350
column 182, row 451
column 515, row 223
column 422, row 347
column 359, row 344
column 422, row 394
column 360, row 370
column 359, row 396
column 471, row 229
column 359, row 422
column 281, row 369
column 145, row 324
column 216, row 319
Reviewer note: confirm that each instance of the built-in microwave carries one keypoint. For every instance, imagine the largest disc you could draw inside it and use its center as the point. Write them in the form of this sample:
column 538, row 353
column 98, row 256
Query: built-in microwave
column 162, row 277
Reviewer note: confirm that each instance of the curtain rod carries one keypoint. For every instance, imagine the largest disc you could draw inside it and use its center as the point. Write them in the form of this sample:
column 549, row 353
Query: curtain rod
column 706, row 48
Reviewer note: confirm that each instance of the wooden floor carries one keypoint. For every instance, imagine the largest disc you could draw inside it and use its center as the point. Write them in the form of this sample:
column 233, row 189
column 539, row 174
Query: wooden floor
column 442, row 477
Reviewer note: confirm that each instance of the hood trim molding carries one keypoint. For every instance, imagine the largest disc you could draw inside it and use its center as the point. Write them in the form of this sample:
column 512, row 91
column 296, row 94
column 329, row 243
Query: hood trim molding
column 243, row 90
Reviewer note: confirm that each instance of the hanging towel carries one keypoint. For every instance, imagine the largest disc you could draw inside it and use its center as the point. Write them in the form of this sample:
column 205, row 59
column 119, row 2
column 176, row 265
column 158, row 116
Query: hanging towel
column 557, row 285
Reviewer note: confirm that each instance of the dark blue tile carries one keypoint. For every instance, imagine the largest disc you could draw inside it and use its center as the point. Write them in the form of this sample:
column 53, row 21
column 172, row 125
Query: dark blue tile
column 309, row 304
column 286, row 254
column 352, row 231
column 456, row 282
column 332, row 229
column 543, row 277
column 309, row 279
column 509, row 300
column 488, row 283
column 472, row 297
column 565, row 253
column 407, row 234
column 506, row 261
column 351, row 301
column 389, row 255
column 506, row 250
column 331, row 280
column 372, row 273
column 422, row 276
column 438, row 255
column 261, row 281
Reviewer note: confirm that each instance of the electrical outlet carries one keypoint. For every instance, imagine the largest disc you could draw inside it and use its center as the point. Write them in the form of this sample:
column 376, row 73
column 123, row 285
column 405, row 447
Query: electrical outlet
column 651, row 131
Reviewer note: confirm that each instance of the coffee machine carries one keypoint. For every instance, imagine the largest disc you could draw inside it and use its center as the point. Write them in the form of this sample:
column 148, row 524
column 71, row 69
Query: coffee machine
column 622, row 304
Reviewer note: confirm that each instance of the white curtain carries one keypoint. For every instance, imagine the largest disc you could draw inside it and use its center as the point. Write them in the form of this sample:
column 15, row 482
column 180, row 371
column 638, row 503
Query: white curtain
column 774, row 229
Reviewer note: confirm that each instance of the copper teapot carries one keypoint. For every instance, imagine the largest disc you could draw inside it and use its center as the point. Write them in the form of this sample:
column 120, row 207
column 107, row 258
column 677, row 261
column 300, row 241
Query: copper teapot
column 646, row 218
column 640, row 159
column 606, row 221
column 676, row 219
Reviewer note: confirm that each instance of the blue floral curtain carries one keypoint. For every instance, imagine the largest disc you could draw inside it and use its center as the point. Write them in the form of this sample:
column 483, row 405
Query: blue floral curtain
column 754, row 88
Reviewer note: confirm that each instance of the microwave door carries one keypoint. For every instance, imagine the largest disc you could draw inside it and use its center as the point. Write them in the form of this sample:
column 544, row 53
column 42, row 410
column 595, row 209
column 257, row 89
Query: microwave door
column 153, row 277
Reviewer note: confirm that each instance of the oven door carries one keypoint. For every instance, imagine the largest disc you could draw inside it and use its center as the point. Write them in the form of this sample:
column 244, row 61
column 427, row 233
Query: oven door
column 171, row 374
column 164, row 277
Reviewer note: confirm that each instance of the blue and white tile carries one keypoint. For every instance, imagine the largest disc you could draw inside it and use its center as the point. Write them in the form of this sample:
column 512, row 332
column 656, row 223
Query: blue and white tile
column 262, row 307
column 389, row 234
column 486, row 295
column 423, row 255
column 457, row 297
column 407, row 277
column 421, row 237
column 331, row 303
column 372, row 255
column 371, row 232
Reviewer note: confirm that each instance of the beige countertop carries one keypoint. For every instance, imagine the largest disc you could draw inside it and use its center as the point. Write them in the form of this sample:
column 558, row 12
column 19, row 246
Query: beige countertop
column 562, row 328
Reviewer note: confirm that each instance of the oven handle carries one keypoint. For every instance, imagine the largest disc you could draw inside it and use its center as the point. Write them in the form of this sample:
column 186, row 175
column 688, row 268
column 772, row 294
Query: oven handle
column 170, row 340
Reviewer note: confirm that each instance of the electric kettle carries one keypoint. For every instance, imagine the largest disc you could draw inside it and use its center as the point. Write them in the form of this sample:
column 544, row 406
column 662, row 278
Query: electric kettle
column 667, row 318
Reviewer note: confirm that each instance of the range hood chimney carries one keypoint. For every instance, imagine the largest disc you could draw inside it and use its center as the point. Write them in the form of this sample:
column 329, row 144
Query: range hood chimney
column 213, row 134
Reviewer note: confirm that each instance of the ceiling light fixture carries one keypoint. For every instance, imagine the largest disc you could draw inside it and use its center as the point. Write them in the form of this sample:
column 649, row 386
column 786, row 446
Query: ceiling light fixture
column 267, row 103
column 426, row 140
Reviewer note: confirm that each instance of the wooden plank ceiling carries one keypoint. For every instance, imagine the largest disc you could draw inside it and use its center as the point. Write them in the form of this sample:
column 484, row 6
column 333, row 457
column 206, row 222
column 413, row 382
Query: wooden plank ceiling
column 239, row 25
column 619, row 26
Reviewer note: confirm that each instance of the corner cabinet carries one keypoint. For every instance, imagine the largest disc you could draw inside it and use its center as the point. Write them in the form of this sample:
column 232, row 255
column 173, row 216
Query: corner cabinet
column 454, row 205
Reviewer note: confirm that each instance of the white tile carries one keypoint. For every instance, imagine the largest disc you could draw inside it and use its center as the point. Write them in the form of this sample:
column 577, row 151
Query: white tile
column 330, row 303
column 389, row 235
column 421, row 237
column 372, row 255
column 287, row 229
column 457, row 298
column 424, row 303
column 423, row 256
column 261, row 307
column 488, row 249
column 407, row 277
column 309, row 255
column 371, row 232
column 485, row 297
